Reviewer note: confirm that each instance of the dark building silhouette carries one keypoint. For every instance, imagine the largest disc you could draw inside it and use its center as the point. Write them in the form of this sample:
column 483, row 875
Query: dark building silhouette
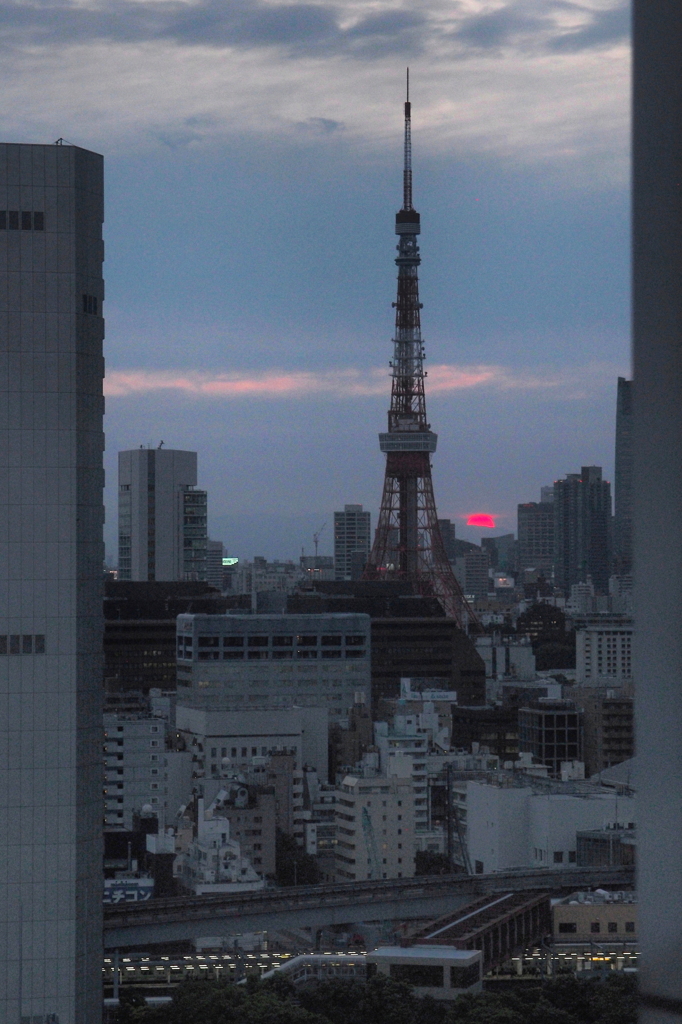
column 411, row 637
column 139, row 629
column 622, row 518
column 552, row 732
column 496, row 728
column 536, row 537
column 582, row 530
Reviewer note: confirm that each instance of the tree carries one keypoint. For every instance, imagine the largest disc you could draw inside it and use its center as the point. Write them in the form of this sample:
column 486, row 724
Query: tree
column 426, row 862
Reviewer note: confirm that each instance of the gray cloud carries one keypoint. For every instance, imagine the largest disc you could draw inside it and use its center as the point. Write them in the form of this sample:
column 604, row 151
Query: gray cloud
column 486, row 31
column 605, row 28
column 294, row 26
column 322, row 125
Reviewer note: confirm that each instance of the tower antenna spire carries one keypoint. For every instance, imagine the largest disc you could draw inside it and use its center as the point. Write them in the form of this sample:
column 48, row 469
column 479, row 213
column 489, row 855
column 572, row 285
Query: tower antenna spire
column 407, row 164
column 408, row 544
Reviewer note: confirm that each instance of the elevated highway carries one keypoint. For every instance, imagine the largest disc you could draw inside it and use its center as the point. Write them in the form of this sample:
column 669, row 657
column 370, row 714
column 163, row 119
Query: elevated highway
column 137, row 925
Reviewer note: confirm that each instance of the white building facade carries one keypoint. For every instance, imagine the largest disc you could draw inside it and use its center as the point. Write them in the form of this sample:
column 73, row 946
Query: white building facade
column 516, row 827
column 162, row 526
column 51, row 552
column 139, row 771
column 374, row 828
column 603, row 654
column 270, row 660
column 240, row 737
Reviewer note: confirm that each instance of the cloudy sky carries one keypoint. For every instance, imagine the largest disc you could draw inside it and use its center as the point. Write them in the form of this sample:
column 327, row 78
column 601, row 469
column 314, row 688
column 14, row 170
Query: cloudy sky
column 253, row 166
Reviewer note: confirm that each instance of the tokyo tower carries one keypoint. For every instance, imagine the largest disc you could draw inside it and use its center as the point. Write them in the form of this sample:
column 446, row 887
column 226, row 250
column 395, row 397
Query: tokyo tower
column 408, row 543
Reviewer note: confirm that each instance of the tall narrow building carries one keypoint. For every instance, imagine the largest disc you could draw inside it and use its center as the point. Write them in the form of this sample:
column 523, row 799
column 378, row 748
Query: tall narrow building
column 582, row 530
column 51, row 551
column 622, row 517
column 162, row 522
column 408, row 545
column 352, row 538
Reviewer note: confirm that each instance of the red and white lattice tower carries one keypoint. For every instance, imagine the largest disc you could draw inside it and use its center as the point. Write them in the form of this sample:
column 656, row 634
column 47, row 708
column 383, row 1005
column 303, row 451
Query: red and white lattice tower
column 408, row 543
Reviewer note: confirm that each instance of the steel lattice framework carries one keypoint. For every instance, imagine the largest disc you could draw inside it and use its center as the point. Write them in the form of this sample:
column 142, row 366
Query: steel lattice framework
column 408, row 543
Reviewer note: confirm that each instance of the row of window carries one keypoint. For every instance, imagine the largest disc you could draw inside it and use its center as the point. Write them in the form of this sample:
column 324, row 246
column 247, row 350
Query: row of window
column 25, row 643
column 236, row 655
column 28, row 221
column 571, row 928
column 262, row 640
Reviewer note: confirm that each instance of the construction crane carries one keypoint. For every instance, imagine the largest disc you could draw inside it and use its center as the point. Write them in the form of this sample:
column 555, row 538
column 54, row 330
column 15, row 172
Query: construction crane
column 370, row 843
column 316, row 537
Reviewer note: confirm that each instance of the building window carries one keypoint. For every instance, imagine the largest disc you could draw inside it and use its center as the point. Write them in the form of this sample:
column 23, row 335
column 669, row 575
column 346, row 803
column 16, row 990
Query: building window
column 355, row 641
column 613, row 927
column 306, row 641
column 233, row 641
column 558, row 857
column 90, row 304
column 595, row 927
column 567, row 927
column 13, row 216
column 282, row 641
column 258, row 641
column 571, row 856
column 629, row 926
column 331, row 641
column 423, row 975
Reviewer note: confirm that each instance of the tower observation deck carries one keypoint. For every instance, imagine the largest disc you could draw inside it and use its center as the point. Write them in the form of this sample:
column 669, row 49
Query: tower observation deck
column 408, row 543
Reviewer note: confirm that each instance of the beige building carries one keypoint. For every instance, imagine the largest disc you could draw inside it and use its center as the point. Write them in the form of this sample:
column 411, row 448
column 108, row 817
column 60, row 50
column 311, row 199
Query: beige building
column 600, row 917
column 374, row 828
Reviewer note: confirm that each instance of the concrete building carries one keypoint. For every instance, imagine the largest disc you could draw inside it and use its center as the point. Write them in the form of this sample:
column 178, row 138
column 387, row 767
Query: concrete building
column 508, row 660
column 447, row 532
column 51, row 549
column 582, row 530
column 589, row 917
column 374, row 828
column 261, row 576
column 622, row 516
column 502, row 552
column 471, row 570
column 222, row 740
column 518, row 826
column 140, row 771
column 352, row 542
column 213, row 861
column 271, row 660
column 162, row 531
column 403, row 748
column 608, row 726
column 215, row 572
column 441, row 972
column 603, row 653
column 536, row 537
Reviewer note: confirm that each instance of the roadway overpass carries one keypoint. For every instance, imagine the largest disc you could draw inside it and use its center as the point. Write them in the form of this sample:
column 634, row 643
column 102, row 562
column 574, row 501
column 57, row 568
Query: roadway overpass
column 139, row 925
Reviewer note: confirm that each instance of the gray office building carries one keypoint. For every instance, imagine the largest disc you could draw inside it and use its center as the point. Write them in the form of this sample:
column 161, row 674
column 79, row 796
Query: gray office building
column 51, row 550
column 352, row 541
column 272, row 661
column 582, row 530
column 622, row 517
column 162, row 517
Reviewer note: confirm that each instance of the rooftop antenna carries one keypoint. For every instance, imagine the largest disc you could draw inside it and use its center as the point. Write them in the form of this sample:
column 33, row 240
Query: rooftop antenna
column 316, row 537
column 407, row 166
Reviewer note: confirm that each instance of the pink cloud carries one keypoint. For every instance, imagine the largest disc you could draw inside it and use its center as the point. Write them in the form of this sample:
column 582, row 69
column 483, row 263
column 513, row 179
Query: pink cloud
column 442, row 378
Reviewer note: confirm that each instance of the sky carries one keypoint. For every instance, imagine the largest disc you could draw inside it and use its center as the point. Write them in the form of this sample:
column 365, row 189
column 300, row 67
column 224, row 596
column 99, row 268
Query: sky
column 253, row 168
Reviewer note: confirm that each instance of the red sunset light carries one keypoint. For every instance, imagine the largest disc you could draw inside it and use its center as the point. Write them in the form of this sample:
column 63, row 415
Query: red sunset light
column 481, row 519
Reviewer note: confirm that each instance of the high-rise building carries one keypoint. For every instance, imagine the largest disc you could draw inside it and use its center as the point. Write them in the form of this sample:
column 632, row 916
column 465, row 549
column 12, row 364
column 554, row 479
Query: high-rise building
column 214, row 563
column 582, row 530
column 536, row 536
column 162, row 525
column 51, row 588
column 447, row 532
column 352, row 537
column 622, row 518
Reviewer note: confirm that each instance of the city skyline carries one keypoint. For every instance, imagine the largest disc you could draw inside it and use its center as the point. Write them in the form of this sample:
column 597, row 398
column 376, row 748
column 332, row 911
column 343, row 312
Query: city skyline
column 272, row 128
